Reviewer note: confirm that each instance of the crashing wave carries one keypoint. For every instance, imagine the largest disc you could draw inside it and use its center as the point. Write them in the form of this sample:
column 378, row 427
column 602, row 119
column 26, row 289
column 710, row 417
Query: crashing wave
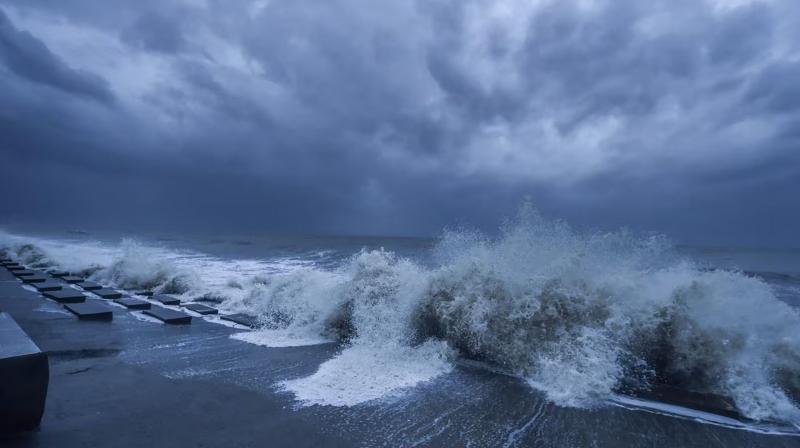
column 579, row 316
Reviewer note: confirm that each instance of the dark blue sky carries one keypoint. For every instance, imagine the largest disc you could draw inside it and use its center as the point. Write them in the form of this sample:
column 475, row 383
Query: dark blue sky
column 401, row 117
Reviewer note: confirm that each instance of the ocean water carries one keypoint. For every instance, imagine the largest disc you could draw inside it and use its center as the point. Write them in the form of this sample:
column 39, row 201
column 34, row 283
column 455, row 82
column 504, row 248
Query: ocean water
column 585, row 320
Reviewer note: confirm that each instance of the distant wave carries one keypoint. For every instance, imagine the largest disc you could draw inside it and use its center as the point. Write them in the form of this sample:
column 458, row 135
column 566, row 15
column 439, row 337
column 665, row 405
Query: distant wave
column 580, row 316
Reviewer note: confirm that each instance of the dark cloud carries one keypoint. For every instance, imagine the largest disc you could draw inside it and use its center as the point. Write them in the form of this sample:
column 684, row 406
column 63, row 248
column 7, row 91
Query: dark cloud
column 28, row 57
column 351, row 117
column 155, row 32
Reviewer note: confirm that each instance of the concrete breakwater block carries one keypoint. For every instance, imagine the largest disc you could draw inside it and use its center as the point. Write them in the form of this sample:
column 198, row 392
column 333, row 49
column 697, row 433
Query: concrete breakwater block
column 89, row 286
column 144, row 293
column 72, row 279
column 166, row 300
column 200, row 308
column 47, row 286
column 65, row 295
column 12, row 265
column 108, row 293
column 22, row 272
column 25, row 375
column 37, row 278
column 59, row 274
column 134, row 304
column 90, row 311
column 241, row 319
column 169, row 316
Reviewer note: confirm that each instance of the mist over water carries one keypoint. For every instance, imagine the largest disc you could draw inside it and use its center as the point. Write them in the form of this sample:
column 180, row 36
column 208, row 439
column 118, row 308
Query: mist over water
column 578, row 316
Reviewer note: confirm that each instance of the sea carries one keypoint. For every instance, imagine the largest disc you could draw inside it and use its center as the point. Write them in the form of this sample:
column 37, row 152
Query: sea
column 535, row 335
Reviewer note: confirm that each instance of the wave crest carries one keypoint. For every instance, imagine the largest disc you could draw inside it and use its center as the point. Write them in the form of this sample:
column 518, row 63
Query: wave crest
column 579, row 316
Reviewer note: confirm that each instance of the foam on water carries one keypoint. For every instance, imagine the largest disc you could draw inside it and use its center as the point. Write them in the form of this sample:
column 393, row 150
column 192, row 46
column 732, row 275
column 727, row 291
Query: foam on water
column 579, row 316
column 698, row 416
column 281, row 338
column 362, row 373
column 134, row 265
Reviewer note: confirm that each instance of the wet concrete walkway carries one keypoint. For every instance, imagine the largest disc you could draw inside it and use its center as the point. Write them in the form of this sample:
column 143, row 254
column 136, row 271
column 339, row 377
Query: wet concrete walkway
column 131, row 383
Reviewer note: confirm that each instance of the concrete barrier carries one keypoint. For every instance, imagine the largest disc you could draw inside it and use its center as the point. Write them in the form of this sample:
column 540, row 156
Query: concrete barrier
column 24, row 377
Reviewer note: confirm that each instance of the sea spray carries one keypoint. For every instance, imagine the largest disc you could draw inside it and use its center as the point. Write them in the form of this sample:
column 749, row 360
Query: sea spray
column 138, row 266
column 379, row 302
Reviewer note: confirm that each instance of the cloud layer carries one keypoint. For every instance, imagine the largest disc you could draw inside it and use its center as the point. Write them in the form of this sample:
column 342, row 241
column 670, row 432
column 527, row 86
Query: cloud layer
column 399, row 117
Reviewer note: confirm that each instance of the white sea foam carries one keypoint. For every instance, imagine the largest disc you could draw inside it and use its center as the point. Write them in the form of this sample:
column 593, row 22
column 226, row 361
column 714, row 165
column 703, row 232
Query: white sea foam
column 281, row 338
column 362, row 373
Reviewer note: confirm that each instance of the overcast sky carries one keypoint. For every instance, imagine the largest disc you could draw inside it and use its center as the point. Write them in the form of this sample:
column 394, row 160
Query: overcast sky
column 401, row 117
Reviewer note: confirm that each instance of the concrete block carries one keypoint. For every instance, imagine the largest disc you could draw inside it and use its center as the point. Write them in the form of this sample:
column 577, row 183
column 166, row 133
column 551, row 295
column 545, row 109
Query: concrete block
column 200, row 308
column 90, row 311
column 47, row 286
column 89, row 286
column 166, row 299
column 134, row 304
column 65, row 295
column 25, row 376
column 37, row 278
column 241, row 319
column 108, row 293
column 169, row 316
column 72, row 279
column 23, row 272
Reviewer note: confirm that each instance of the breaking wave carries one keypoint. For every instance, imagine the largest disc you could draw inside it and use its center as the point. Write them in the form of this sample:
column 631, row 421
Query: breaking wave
column 579, row 316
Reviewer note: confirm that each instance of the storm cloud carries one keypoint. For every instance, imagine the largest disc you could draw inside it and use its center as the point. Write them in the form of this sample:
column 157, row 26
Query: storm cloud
column 402, row 117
